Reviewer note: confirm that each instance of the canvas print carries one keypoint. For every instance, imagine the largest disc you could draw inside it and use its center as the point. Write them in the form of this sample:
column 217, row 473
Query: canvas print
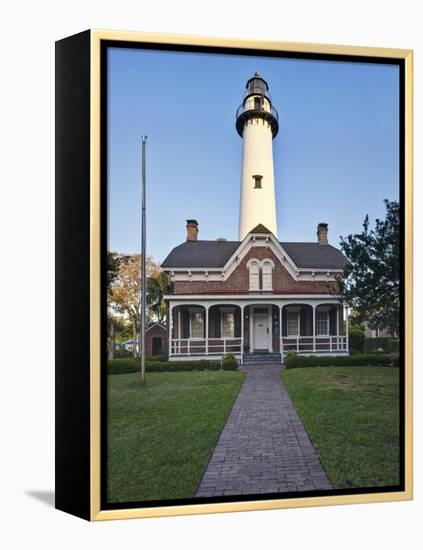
column 273, row 280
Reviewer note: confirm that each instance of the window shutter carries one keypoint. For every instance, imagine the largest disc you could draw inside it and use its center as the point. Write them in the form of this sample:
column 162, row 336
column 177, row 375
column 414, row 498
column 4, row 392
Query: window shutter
column 185, row 324
column 218, row 321
column 332, row 321
column 302, row 322
column 237, row 323
column 284, row 321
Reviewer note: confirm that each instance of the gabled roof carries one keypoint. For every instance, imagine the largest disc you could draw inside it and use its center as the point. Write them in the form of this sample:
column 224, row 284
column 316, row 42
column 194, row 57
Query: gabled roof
column 208, row 254
column 260, row 229
column 315, row 255
column 192, row 254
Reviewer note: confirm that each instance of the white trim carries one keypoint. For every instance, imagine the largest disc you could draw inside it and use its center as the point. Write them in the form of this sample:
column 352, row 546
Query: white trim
column 156, row 325
column 226, row 298
column 212, row 358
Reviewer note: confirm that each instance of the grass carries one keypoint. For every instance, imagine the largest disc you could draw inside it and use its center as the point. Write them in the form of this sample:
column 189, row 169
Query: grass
column 160, row 437
column 352, row 417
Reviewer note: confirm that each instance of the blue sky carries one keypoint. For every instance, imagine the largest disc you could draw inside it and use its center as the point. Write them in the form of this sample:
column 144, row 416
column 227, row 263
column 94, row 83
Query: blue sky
column 336, row 154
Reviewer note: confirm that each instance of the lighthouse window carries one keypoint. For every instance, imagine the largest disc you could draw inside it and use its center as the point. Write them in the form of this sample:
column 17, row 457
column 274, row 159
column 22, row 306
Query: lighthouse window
column 257, row 103
column 257, row 182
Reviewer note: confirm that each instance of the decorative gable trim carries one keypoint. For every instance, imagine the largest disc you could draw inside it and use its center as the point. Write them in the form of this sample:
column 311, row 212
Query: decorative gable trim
column 253, row 240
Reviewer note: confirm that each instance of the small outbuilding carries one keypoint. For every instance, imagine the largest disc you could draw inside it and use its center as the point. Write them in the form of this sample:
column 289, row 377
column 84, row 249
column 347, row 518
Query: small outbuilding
column 156, row 340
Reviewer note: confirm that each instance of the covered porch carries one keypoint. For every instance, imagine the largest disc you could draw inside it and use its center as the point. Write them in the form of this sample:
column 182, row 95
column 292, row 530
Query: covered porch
column 207, row 328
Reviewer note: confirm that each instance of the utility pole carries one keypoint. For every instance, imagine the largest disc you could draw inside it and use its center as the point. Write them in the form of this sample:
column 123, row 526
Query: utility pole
column 143, row 264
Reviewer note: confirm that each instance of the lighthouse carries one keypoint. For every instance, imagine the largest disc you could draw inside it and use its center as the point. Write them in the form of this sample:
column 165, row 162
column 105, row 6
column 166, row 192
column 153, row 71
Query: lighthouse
column 257, row 123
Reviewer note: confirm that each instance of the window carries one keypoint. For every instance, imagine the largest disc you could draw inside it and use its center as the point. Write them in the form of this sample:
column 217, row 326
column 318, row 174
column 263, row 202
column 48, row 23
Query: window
column 196, row 324
column 322, row 323
column 292, row 323
column 257, row 103
column 267, row 276
column 257, row 182
column 254, row 276
column 228, row 324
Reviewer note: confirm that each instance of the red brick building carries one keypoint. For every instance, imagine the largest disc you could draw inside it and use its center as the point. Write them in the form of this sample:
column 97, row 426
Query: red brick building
column 156, row 340
column 257, row 297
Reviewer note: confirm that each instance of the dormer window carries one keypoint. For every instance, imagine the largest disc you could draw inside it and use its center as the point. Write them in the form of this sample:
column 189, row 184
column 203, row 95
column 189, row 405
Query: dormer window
column 257, row 181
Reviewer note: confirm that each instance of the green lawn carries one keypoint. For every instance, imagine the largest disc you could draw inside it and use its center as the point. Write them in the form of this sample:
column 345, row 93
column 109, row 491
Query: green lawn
column 161, row 436
column 352, row 416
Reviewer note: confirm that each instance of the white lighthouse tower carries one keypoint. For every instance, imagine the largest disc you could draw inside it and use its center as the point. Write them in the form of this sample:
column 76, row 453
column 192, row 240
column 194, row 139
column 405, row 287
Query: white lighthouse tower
column 257, row 124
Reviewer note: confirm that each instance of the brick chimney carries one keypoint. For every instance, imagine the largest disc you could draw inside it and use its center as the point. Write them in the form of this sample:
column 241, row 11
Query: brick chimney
column 322, row 233
column 192, row 230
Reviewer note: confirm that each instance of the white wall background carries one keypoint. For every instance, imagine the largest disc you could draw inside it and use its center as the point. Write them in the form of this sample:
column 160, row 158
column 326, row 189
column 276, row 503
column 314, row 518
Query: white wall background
column 27, row 37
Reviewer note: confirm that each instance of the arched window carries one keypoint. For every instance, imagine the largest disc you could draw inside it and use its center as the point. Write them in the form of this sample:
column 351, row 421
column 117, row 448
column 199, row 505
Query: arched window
column 254, row 275
column 267, row 275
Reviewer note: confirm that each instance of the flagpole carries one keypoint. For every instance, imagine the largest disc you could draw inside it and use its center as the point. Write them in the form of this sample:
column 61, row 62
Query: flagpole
column 143, row 263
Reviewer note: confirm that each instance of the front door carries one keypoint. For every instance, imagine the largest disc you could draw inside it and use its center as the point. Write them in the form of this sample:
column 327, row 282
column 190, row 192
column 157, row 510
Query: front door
column 261, row 331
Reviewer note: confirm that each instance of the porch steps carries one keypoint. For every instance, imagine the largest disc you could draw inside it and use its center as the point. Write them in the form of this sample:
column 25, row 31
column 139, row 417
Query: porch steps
column 261, row 358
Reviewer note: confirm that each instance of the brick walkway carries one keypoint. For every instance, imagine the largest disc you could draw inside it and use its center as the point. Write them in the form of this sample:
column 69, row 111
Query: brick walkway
column 263, row 447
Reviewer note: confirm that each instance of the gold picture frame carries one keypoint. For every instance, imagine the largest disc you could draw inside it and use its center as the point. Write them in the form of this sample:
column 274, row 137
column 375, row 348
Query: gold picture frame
column 91, row 508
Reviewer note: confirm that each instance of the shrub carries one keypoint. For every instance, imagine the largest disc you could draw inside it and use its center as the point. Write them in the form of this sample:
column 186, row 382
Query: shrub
column 126, row 366
column 230, row 362
column 292, row 360
column 360, row 360
column 387, row 344
column 162, row 357
column 356, row 339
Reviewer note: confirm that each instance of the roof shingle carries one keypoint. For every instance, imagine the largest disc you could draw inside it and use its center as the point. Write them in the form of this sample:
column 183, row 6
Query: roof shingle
column 214, row 254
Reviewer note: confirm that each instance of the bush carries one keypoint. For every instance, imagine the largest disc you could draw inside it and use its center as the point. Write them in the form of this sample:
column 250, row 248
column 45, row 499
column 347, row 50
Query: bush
column 230, row 362
column 127, row 366
column 356, row 339
column 295, row 360
column 162, row 357
column 386, row 344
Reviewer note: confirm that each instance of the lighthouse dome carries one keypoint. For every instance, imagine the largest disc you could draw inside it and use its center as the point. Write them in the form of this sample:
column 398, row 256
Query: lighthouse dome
column 257, row 104
column 257, row 86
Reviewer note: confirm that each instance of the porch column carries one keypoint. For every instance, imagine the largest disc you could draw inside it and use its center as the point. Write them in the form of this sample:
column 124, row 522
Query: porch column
column 280, row 333
column 207, row 328
column 337, row 327
column 346, row 328
column 314, row 328
column 242, row 334
column 170, row 326
column 179, row 331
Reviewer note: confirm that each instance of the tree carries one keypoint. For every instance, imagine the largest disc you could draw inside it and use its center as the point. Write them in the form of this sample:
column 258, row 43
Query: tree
column 113, row 264
column 371, row 280
column 157, row 286
column 124, row 297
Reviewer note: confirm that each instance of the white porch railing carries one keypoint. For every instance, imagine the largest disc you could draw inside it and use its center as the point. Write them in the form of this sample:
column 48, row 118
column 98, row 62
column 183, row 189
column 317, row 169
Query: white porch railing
column 204, row 346
column 314, row 344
